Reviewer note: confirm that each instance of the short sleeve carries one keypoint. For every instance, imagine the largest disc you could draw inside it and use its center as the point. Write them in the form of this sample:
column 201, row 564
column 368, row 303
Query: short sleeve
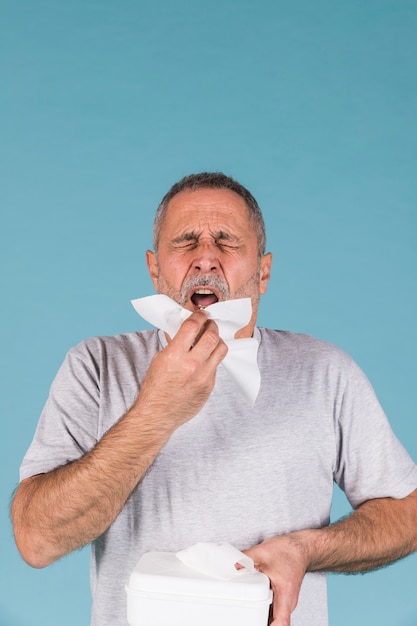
column 371, row 461
column 67, row 428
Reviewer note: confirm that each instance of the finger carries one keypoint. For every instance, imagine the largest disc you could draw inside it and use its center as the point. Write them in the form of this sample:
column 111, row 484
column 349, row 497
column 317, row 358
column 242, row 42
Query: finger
column 208, row 327
column 189, row 330
column 199, row 337
column 259, row 556
column 281, row 612
column 207, row 341
column 218, row 354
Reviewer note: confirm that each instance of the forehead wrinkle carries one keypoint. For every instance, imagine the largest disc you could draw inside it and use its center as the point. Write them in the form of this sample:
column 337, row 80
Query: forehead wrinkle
column 203, row 214
column 191, row 220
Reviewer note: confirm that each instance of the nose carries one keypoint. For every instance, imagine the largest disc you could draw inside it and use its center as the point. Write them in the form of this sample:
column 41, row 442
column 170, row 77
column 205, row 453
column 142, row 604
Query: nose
column 206, row 257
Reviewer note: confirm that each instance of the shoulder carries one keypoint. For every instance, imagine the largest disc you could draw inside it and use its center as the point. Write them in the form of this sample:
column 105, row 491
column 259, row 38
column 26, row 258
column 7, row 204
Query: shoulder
column 123, row 347
column 302, row 350
column 285, row 340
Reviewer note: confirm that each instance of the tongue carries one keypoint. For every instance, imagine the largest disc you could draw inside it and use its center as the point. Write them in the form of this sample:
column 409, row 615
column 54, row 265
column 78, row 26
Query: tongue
column 200, row 299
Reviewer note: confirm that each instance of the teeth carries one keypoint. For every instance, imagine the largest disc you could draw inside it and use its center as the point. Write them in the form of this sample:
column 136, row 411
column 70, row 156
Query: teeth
column 203, row 292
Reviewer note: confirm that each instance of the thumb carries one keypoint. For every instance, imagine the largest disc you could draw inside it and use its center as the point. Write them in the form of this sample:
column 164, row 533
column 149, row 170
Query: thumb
column 281, row 610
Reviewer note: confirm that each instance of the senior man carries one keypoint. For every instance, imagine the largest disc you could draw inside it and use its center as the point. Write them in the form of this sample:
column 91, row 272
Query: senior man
column 146, row 442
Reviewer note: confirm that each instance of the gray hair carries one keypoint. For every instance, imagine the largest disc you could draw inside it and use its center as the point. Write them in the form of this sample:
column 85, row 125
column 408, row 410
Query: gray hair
column 212, row 180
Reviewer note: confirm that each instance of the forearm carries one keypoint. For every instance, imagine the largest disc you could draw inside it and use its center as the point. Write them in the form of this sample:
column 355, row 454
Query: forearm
column 61, row 511
column 378, row 532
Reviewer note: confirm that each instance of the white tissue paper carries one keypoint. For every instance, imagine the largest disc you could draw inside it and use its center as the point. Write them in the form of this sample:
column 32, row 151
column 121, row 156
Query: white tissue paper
column 230, row 316
column 216, row 560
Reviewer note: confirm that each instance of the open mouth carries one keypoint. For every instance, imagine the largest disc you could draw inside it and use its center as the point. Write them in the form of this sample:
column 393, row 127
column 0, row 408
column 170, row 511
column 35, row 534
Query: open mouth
column 203, row 297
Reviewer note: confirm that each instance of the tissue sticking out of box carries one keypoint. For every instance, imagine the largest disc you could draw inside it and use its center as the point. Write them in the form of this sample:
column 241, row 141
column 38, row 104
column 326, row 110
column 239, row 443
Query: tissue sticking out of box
column 216, row 560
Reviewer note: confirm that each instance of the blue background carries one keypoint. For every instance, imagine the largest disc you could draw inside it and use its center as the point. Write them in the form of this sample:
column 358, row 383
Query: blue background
column 311, row 105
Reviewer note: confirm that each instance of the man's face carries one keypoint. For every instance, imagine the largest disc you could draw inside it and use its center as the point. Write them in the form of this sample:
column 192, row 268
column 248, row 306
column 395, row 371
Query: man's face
column 208, row 252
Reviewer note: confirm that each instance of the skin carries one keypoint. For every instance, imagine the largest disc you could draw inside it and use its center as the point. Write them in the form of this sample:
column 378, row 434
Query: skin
column 208, row 232
column 379, row 532
column 205, row 233
column 62, row 510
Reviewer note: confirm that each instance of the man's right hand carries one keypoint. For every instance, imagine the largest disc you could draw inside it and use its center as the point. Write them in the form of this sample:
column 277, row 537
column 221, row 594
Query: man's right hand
column 182, row 376
column 62, row 510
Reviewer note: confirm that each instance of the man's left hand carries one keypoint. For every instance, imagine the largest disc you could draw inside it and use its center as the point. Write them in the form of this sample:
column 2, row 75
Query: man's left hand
column 283, row 559
column 378, row 532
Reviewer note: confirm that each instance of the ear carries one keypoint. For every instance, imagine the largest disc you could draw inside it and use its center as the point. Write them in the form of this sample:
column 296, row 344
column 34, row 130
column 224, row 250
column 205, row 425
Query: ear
column 265, row 272
column 153, row 267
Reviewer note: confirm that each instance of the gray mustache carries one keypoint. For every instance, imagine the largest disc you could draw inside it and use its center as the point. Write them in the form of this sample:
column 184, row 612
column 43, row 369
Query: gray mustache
column 198, row 280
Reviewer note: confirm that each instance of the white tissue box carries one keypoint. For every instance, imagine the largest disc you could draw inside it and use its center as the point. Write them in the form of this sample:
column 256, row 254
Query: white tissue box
column 162, row 590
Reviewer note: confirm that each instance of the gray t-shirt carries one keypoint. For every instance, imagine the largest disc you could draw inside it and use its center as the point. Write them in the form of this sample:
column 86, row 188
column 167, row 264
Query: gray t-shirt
column 233, row 473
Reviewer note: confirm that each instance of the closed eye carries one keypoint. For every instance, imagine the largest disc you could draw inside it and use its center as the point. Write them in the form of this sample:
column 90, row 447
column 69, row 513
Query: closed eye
column 228, row 245
column 225, row 240
column 186, row 244
column 222, row 240
column 188, row 240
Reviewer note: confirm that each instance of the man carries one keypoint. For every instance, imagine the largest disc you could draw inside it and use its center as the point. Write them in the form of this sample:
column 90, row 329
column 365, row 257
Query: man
column 146, row 443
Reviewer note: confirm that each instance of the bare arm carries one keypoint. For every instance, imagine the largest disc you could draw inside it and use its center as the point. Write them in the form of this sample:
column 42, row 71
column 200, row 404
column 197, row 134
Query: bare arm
column 377, row 533
column 60, row 511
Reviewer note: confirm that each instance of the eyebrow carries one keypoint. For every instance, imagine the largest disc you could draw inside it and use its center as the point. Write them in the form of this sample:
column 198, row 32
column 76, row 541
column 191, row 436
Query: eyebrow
column 195, row 236
column 190, row 236
column 221, row 234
